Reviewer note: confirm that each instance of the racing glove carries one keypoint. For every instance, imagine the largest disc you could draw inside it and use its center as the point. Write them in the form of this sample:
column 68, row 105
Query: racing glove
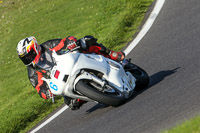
column 49, row 94
column 46, row 94
column 71, row 42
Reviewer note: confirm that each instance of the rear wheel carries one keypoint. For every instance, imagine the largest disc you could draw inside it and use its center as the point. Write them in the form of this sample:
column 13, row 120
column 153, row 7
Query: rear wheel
column 106, row 95
column 141, row 76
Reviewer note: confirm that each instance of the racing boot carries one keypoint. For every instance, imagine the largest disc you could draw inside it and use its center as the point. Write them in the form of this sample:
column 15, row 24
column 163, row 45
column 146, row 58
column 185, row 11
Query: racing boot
column 117, row 56
column 74, row 104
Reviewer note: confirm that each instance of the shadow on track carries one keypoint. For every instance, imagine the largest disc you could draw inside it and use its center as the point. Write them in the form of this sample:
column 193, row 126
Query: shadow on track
column 96, row 107
column 154, row 79
column 159, row 76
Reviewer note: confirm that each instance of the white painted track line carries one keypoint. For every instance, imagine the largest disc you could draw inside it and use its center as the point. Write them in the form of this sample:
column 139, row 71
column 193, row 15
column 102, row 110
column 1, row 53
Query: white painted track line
column 144, row 30
column 50, row 119
column 146, row 27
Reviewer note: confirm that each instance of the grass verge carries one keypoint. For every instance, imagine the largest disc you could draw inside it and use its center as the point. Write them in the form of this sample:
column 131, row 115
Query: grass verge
column 191, row 126
column 113, row 22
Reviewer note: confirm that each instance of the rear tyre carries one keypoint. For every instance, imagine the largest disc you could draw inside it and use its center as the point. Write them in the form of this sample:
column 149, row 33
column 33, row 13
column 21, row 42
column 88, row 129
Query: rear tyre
column 141, row 76
column 112, row 99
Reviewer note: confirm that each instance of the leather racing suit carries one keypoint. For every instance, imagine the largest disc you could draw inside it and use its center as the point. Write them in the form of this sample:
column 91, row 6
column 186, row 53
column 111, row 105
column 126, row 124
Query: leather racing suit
column 70, row 42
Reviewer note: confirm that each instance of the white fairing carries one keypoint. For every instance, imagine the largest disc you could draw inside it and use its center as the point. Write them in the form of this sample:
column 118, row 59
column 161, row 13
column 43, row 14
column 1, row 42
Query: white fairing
column 70, row 66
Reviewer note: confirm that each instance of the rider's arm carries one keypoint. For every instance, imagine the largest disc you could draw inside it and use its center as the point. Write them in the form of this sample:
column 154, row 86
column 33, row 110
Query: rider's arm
column 68, row 42
column 35, row 78
column 55, row 44
column 41, row 86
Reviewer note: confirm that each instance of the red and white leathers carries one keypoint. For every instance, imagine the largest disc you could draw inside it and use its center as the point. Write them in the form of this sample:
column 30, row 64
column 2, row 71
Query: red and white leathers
column 87, row 44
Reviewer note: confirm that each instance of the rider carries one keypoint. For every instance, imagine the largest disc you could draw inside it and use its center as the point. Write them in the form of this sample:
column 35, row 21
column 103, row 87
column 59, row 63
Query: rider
column 30, row 53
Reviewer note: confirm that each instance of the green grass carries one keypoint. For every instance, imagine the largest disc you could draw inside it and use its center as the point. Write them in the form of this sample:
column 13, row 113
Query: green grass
column 113, row 22
column 191, row 126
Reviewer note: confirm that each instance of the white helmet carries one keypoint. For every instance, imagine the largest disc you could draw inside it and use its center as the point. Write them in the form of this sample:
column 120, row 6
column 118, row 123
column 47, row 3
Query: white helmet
column 29, row 51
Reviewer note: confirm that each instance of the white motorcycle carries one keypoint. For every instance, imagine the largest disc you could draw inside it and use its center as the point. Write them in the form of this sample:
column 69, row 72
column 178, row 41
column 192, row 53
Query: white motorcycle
column 92, row 77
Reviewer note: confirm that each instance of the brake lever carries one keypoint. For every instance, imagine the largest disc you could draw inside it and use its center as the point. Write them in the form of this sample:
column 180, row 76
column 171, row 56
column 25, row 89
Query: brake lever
column 52, row 97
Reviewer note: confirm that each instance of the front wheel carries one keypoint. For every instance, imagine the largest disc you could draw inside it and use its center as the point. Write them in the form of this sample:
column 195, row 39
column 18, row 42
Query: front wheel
column 110, row 97
column 141, row 76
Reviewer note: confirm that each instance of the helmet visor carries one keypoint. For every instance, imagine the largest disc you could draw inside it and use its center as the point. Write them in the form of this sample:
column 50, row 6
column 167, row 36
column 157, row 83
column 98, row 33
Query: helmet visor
column 28, row 58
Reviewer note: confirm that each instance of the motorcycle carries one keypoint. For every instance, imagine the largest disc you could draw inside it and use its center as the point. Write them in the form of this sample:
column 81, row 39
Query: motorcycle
column 92, row 77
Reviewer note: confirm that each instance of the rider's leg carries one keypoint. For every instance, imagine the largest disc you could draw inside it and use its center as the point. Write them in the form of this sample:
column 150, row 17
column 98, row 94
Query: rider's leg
column 100, row 49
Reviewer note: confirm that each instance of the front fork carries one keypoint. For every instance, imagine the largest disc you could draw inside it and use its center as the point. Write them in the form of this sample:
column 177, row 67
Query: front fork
column 86, row 75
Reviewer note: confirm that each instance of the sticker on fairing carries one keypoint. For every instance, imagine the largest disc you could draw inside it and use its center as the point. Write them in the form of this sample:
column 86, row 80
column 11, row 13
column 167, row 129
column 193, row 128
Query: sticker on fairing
column 53, row 86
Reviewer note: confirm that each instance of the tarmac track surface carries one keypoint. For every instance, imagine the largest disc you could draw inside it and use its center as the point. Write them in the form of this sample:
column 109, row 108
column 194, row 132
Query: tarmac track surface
column 170, row 53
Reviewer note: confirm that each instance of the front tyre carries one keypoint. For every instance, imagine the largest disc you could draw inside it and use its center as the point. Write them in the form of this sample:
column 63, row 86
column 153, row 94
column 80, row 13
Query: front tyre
column 141, row 76
column 109, row 98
